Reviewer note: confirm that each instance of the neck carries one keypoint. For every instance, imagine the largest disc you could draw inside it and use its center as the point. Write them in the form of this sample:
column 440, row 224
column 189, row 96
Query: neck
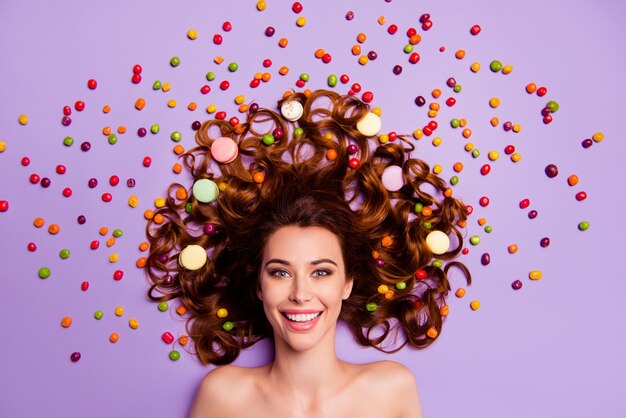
column 309, row 373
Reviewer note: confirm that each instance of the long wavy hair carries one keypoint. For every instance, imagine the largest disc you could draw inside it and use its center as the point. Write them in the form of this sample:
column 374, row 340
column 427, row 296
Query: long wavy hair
column 307, row 180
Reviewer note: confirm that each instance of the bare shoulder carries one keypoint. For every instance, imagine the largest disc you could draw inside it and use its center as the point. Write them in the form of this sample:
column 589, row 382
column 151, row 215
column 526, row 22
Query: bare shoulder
column 395, row 380
column 217, row 390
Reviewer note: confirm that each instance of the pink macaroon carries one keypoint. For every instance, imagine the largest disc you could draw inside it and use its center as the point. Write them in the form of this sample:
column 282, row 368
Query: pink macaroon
column 224, row 150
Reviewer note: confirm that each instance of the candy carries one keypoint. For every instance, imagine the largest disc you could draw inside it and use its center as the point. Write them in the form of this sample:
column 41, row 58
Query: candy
column 75, row 356
column 392, row 178
column 98, row 314
column 224, row 150
column 369, row 125
column 44, row 273
column 535, row 275
column 292, row 110
column 438, row 242
column 192, row 257
column 66, row 322
column 163, row 306
column 583, row 226
column 552, row 170
column 205, row 190
column 174, row 355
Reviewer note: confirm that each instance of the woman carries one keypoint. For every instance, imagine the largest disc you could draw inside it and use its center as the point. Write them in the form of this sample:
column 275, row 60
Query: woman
column 315, row 229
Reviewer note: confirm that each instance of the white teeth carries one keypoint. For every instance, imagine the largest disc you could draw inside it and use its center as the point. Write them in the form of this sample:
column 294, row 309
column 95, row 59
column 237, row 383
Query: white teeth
column 302, row 317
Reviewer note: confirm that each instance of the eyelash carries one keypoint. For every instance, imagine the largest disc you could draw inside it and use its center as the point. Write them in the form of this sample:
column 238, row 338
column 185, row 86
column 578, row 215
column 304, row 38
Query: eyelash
column 325, row 271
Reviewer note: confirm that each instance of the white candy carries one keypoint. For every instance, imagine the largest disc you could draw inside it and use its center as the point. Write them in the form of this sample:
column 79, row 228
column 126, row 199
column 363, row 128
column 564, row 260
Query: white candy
column 292, row 110
column 192, row 257
column 438, row 242
column 392, row 178
column 370, row 124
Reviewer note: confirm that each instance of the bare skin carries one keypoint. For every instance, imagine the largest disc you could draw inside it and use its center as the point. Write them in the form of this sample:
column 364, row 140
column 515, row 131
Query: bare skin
column 303, row 268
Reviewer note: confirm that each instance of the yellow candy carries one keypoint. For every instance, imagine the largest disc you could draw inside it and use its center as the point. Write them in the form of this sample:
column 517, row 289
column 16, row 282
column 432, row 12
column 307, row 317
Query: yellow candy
column 493, row 155
column 418, row 134
column 363, row 59
column 119, row 311
column 377, row 111
column 113, row 258
column 507, row 69
column 240, row 99
column 192, row 34
column 301, row 21
column 133, row 200
column 475, row 67
column 432, row 113
column 494, row 102
column 437, row 141
column 535, row 275
column 260, row 5
column 517, row 127
column 23, row 119
column 222, row 186
column 516, row 157
column 211, row 108
column 598, row 136
column 384, row 138
column 171, row 103
column 222, row 313
column 218, row 59
column 383, row 288
column 381, row 20
column 469, row 146
column 475, row 305
column 437, row 169
column 159, row 202
column 133, row 323
column 3, row 146
column 166, row 87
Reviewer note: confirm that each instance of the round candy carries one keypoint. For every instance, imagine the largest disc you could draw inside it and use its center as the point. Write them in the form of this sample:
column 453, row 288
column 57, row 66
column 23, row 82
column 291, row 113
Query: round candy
column 438, row 242
column 224, row 150
column 192, row 257
column 205, row 190
column 292, row 110
column 392, row 178
column 369, row 125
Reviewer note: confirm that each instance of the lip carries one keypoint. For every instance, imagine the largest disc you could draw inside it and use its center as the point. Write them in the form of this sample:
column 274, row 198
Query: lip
column 301, row 326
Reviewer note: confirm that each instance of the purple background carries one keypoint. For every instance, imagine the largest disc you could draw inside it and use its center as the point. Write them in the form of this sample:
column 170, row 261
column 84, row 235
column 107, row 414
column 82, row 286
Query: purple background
column 552, row 349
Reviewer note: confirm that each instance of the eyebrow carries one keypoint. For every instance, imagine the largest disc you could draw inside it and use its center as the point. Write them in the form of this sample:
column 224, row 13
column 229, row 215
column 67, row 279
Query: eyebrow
column 315, row 262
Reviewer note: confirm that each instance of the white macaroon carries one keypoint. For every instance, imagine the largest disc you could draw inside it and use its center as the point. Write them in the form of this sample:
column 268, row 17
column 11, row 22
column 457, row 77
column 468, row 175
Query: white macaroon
column 438, row 242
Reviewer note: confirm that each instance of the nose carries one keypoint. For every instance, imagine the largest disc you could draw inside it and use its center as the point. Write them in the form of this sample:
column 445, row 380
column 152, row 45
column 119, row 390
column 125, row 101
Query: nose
column 301, row 290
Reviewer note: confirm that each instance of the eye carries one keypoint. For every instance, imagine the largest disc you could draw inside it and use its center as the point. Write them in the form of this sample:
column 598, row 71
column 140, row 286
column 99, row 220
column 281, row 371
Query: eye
column 278, row 273
column 321, row 273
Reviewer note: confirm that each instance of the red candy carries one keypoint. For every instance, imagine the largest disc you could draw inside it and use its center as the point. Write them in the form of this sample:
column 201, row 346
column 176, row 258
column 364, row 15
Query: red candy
column 136, row 78
column 255, row 83
column 414, row 58
column 84, row 286
column 354, row 163
column 92, row 84
column 147, row 161
column 485, row 169
column 542, row 91
column 344, row 78
column 167, row 337
column 67, row 110
column 392, row 29
column 411, row 32
column 67, row 192
column 217, row 39
column 427, row 25
column 580, row 196
column 326, row 58
column 421, row 274
column 4, row 205
column 224, row 85
column 475, row 30
column 297, row 7
column 368, row 96
column 451, row 101
column 227, row 26
column 509, row 149
column 469, row 209
column 79, row 105
column 205, row 89
column 234, row 121
column 221, row 115
column 34, row 178
column 300, row 83
column 114, row 180
column 524, row 204
column 60, row 169
column 136, row 69
column 484, row 201
column 118, row 274
column 106, row 197
column 32, row 247
column 267, row 63
column 25, row 161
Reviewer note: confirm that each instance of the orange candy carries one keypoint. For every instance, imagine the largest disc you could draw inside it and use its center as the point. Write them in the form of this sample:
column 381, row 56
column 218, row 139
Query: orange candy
column 39, row 222
column 445, row 310
column 141, row 262
column 460, row 292
column 458, row 166
column 531, row 88
column 427, row 211
column 106, row 130
column 319, row 53
column 183, row 340
column 144, row 246
column 140, row 103
column 148, row 214
column 66, row 322
column 283, row 70
column 266, row 77
column 481, row 221
column 159, row 219
column 179, row 149
column 572, row 180
column 432, row 332
column 283, row 42
column 181, row 193
column 415, row 39
column 111, row 242
column 513, row 248
column 177, row 168
column 103, row 231
column 331, row 154
column 192, row 106
column 356, row 49
column 54, row 229
column 460, row 54
column 387, row 241
column 121, row 129
column 243, row 108
column 258, row 177
column 106, row 109
column 467, row 133
column 181, row 310
column 361, row 37
column 435, row 105
column 447, row 192
column 436, row 93
column 114, row 337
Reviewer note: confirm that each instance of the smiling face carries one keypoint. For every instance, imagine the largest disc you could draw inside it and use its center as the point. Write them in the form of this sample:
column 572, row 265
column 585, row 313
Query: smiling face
column 302, row 284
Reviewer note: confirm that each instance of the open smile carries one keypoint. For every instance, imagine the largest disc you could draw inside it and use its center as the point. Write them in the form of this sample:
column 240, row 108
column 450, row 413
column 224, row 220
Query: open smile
column 301, row 322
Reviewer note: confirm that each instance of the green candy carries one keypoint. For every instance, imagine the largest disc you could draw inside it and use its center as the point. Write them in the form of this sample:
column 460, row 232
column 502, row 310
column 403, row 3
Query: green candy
column 455, row 123
column 418, row 207
column 371, row 306
column 583, row 226
column 233, row 66
column 98, row 315
column 227, row 326
column 332, row 80
column 408, row 48
column 188, row 207
column 44, row 273
column 401, row 285
column 457, row 88
column 454, row 180
column 495, row 66
column 268, row 139
column 553, row 106
column 157, row 85
column 163, row 306
column 112, row 139
column 210, row 76
column 176, row 136
column 297, row 132
column 68, row 141
column 155, row 128
column 174, row 355
column 437, row 263
column 474, row 240
column 118, row 233
column 488, row 229
column 305, row 77
column 475, row 153
column 427, row 225
column 175, row 62
column 64, row 254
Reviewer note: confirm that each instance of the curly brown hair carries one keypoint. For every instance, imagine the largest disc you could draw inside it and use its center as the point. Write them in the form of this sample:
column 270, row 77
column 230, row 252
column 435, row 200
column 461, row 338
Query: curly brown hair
column 397, row 278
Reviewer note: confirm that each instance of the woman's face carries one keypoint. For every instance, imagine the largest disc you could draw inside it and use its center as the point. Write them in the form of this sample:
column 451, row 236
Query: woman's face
column 303, row 284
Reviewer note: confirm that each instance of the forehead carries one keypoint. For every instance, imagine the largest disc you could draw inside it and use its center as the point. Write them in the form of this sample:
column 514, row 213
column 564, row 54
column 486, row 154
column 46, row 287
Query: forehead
column 303, row 243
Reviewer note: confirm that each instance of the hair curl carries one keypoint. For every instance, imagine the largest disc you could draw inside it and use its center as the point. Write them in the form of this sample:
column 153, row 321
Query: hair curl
column 382, row 236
